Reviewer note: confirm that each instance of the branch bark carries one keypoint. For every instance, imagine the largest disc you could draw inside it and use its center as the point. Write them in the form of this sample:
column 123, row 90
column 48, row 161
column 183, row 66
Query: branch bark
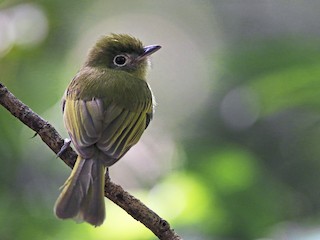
column 114, row 192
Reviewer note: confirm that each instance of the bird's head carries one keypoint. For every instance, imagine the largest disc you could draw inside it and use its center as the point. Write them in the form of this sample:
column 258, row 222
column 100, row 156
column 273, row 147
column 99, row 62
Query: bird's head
column 121, row 52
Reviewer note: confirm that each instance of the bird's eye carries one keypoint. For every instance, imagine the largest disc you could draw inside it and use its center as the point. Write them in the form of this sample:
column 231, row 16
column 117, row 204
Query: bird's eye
column 120, row 60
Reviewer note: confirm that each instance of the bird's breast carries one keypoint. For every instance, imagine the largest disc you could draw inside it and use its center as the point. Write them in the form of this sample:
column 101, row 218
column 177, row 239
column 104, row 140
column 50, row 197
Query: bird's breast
column 111, row 86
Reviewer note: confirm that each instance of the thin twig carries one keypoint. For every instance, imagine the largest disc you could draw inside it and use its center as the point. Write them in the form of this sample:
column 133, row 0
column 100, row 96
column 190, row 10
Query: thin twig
column 114, row 192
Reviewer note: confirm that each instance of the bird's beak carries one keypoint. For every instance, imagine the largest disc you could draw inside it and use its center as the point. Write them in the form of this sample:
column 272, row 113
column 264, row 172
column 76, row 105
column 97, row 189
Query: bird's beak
column 148, row 50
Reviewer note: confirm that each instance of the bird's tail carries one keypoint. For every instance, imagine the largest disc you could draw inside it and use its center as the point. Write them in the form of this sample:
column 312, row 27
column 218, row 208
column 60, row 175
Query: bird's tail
column 82, row 197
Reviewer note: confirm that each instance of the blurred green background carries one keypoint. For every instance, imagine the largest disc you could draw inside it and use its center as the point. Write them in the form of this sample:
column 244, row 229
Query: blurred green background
column 232, row 152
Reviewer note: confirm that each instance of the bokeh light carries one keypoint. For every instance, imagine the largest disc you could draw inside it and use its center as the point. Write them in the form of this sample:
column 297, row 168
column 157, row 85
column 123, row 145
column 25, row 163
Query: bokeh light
column 24, row 25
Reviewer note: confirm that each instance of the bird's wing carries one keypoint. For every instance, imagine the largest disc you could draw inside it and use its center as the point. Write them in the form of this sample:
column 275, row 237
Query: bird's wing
column 123, row 131
column 111, row 129
column 84, row 122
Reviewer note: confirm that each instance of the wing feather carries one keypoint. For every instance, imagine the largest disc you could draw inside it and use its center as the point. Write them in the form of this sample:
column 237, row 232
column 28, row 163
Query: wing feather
column 112, row 129
column 120, row 146
column 122, row 133
column 84, row 122
column 91, row 117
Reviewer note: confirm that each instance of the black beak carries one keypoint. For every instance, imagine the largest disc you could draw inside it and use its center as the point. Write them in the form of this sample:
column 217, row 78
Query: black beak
column 148, row 50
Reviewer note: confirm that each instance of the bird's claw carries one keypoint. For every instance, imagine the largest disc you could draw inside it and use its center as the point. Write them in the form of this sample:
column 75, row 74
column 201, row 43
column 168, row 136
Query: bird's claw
column 66, row 144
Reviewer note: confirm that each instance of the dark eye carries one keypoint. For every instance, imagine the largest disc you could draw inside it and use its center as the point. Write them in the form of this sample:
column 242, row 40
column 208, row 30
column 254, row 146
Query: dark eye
column 120, row 60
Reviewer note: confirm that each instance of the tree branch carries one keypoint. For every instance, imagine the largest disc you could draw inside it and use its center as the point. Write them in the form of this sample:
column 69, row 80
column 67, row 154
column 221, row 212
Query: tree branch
column 114, row 192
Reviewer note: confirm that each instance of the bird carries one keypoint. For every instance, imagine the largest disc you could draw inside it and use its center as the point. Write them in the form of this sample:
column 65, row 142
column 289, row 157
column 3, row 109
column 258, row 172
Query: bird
column 106, row 108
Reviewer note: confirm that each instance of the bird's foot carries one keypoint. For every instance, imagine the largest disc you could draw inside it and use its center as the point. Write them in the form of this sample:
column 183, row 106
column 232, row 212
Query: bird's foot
column 66, row 144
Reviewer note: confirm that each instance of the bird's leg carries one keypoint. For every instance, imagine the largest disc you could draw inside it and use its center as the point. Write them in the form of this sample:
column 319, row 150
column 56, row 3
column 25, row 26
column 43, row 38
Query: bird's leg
column 65, row 145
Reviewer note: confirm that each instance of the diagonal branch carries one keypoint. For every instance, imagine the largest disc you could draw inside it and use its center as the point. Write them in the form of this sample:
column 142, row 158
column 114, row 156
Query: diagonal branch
column 114, row 192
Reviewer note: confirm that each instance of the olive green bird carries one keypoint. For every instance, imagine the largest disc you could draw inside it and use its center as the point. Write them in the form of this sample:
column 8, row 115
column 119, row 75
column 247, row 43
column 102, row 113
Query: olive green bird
column 106, row 108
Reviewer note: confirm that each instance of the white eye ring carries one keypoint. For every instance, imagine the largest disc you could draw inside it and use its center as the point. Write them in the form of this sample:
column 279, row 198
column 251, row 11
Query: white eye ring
column 120, row 60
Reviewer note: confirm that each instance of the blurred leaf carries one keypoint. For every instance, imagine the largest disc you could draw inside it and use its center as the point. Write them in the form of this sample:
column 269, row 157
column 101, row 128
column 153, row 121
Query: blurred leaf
column 183, row 198
column 252, row 59
column 289, row 88
column 231, row 169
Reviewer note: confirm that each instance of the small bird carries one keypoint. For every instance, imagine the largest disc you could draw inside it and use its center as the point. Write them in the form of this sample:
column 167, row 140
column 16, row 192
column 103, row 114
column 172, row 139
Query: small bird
column 106, row 108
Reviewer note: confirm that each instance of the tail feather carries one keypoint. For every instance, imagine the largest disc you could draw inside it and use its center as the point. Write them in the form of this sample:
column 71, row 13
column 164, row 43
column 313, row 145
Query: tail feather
column 93, row 208
column 82, row 197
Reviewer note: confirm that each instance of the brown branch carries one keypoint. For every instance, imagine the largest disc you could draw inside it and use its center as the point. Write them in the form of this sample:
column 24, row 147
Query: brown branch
column 114, row 192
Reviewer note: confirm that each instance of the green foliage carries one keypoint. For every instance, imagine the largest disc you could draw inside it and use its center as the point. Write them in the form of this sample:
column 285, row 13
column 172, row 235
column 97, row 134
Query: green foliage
column 294, row 87
column 227, row 180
